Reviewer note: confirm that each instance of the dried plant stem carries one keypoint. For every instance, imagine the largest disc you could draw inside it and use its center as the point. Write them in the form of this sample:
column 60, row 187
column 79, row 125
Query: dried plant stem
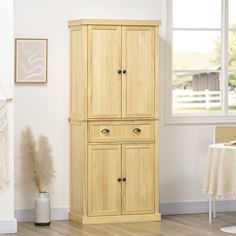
column 44, row 163
column 37, row 164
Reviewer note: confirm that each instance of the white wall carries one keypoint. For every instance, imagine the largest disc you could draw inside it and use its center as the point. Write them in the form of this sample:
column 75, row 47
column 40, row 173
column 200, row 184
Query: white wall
column 7, row 222
column 182, row 160
column 183, row 150
column 45, row 108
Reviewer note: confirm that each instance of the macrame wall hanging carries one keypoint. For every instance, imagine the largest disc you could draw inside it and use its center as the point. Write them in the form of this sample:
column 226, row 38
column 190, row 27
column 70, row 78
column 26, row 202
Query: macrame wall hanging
column 3, row 142
column 3, row 138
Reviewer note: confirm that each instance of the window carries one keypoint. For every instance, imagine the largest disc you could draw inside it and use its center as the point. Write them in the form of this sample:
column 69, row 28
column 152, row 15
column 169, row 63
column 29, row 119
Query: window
column 202, row 35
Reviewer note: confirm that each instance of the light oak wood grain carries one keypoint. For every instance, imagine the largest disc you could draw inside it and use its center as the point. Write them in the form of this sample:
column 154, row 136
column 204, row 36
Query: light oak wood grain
column 74, row 23
column 104, row 61
column 104, row 191
column 157, row 72
column 121, row 131
column 225, row 134
column 138, row 166
column 101, row 98
column 78, row 167
column 157, row 184
column 138, row 83
column 116, row 218
column 78, row 73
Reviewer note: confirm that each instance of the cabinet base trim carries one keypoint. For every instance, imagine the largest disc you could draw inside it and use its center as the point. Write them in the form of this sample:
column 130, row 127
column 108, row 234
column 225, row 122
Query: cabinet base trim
column 114, row 219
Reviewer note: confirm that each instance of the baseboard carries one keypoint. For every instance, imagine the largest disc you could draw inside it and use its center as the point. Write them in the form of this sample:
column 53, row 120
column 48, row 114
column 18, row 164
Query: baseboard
column 8, row 226
column 172, row 208
column 166, row 208
column 24, row 215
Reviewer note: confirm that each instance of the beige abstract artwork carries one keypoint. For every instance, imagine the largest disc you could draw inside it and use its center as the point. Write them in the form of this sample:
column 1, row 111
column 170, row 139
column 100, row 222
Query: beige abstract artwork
column 31, row 60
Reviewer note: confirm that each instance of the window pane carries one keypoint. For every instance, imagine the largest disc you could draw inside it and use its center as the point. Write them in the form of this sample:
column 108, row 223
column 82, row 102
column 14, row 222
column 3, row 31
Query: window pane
column 232, row 14
column 232, row 50
column 232, row 91
column 197, row 92
column 197, row 13
column 196, row 50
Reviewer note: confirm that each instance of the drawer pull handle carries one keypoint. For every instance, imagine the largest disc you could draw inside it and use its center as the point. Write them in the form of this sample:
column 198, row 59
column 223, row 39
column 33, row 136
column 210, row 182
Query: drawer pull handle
column 136, row 130
column 105, row 131
column 119, row 179
column 124, row 179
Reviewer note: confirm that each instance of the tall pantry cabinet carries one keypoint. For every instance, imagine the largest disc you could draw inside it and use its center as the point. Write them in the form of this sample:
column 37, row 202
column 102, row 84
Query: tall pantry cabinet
column 114, row 112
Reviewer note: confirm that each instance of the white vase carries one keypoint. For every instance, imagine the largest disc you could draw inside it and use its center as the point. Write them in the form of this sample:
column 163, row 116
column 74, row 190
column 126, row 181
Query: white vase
column 42, row 209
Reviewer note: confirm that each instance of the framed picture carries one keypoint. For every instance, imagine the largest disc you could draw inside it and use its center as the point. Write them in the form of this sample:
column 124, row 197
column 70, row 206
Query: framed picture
column 31, row 60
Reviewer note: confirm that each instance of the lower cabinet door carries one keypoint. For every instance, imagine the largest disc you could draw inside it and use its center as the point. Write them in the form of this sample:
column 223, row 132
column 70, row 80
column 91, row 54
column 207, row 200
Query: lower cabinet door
column 138, row 178
column 104, row 185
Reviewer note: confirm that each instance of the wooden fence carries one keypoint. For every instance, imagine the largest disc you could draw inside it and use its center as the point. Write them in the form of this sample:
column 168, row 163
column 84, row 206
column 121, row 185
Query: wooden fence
column 196, row 99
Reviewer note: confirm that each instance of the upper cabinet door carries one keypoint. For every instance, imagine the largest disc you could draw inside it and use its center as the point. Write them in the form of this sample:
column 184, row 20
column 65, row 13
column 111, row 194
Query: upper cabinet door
column 138, row 60
column 104, row 62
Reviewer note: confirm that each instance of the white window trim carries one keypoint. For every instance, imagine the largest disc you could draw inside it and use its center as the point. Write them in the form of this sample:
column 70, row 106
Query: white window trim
column 217, row 118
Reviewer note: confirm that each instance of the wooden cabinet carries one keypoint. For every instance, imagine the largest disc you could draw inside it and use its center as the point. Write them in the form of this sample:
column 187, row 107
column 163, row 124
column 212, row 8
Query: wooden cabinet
column 121, row 131
column 114, row 121
column 104, row 169
column 138, row 59
column 120, row 182
column 138, row 167
column 116, row 88
column 104, row 82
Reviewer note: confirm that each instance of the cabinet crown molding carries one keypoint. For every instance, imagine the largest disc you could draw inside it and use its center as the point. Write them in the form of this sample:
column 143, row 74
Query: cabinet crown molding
column 126, row 22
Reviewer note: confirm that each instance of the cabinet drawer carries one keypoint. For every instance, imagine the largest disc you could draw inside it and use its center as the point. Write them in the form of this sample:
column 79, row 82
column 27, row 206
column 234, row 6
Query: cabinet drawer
column 121, row 131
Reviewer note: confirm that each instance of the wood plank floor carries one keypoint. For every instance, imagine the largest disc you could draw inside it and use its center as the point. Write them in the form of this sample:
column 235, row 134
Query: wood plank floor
column 176, row 225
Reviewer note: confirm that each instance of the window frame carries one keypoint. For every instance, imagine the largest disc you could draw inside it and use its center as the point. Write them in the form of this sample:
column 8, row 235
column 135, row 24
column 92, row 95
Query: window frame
column 223, row 116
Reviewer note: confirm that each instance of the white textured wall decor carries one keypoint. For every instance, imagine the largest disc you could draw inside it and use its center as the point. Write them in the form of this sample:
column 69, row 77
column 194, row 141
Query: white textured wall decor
column 31, row 60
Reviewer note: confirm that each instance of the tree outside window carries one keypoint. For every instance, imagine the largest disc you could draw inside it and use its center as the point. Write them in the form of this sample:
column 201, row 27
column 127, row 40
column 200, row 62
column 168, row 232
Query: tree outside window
column 198, row 76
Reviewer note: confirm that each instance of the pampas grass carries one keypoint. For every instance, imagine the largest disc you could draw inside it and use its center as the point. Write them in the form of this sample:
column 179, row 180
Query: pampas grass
column 37, row 161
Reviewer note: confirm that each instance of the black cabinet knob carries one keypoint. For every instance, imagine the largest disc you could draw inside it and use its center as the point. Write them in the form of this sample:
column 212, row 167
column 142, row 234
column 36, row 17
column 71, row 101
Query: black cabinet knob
column 124, row 179
column 119, row 71
column 119, row 179
column 124, row 71
column 136, row 130
column 105, row 131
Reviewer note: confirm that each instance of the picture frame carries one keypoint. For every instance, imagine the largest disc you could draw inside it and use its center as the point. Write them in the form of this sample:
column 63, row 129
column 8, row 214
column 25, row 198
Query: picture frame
column 31, row 60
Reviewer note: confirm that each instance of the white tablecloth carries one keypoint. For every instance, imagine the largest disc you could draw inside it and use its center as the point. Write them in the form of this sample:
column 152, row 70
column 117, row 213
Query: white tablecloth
column 220, row 176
